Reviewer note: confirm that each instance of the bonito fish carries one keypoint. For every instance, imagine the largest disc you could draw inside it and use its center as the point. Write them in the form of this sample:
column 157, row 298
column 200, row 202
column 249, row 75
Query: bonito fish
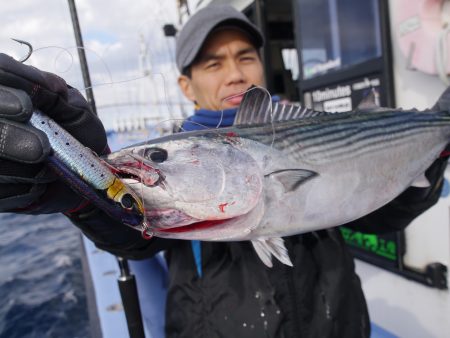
column 281, row 170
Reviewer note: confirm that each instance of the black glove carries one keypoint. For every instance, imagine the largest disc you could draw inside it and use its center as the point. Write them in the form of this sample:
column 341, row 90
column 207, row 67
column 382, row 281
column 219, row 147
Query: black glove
column 26, row 185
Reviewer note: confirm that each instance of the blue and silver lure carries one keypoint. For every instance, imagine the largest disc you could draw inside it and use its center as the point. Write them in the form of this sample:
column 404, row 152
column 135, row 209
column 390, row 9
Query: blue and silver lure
column 89, row 176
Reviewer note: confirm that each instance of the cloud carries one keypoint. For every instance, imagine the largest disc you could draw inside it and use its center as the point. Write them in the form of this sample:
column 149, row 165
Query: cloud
column 130, row 60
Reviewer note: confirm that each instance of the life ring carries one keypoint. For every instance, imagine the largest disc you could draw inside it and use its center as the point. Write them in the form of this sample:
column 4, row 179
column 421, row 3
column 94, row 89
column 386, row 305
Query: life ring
column 423, row 34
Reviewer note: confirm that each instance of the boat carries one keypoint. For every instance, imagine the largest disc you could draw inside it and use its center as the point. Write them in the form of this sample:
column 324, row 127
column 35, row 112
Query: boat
column 404, row 276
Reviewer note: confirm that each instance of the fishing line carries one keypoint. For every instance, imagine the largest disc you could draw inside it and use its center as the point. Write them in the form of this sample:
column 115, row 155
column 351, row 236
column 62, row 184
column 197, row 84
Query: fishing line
column 66, row 49
column 159, row 88
column 148, row 63
column 270, row 112
column 146, row 231
column 114, row 82
column 106, row 67
column 165, row 101
column 213, row 130
column 62, row 50
column 71, row 63
column 180, row 125
column 272, row 122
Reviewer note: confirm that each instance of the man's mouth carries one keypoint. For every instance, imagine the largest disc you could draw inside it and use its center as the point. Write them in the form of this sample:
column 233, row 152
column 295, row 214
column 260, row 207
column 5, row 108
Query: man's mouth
column 234, row 100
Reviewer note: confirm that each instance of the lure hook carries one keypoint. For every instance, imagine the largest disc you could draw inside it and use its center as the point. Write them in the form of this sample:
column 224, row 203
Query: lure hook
column 30, row 49
column 146, row 232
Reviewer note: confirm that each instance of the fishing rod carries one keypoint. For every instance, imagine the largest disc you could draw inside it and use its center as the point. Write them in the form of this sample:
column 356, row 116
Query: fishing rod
column 126, row 281
column 82, row 55
column 129, row 294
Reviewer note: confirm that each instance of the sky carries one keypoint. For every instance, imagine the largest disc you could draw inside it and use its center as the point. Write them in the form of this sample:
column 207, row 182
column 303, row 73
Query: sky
column 131, row 62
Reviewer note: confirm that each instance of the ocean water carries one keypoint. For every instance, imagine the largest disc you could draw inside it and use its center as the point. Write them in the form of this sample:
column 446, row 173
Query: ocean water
column 42, row 291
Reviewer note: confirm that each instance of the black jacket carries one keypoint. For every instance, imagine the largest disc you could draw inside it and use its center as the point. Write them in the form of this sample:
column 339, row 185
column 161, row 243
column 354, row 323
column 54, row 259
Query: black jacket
column 238, row 296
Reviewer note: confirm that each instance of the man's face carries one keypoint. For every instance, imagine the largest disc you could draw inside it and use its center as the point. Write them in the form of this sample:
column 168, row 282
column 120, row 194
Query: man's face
column 227, row 66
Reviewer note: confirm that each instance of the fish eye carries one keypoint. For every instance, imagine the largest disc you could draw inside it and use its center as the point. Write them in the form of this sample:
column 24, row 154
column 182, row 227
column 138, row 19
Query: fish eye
column 157, row 155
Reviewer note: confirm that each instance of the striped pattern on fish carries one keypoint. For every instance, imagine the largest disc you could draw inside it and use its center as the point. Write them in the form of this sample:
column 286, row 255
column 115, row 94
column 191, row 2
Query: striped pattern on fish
column 328, row 137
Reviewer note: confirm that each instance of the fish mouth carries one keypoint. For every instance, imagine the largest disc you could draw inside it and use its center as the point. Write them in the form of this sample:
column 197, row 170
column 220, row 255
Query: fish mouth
column 202, row 225
column 139, row 172
column 176, row 221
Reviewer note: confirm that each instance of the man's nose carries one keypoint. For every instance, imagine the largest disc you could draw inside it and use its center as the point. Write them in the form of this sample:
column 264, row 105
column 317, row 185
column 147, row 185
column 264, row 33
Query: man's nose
column 235, row 73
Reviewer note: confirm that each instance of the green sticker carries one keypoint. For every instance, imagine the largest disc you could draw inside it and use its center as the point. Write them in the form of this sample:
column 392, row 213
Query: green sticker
column 370, row 243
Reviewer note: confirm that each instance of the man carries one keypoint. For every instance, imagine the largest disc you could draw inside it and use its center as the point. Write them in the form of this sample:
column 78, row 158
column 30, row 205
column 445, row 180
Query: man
column 215, row 289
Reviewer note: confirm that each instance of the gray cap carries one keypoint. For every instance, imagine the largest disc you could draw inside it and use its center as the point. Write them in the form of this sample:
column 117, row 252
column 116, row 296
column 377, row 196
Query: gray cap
column 191, row 38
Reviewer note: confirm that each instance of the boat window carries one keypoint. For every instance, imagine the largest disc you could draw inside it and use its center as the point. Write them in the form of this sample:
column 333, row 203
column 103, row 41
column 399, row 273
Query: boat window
column 335, row 34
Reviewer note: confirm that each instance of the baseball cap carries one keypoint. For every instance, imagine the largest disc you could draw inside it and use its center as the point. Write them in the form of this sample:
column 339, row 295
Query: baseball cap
column 191, row 38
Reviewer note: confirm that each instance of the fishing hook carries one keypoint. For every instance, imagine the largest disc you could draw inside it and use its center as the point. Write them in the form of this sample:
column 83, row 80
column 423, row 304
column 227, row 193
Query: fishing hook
column 30, row 49
column 146, row 231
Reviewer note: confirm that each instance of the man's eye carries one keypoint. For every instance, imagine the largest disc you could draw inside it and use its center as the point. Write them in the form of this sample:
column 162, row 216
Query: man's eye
column 212, row 65
column 247, row 58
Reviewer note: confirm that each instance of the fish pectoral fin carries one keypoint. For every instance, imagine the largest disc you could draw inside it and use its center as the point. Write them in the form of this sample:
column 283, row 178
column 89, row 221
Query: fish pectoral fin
column 268, row 247
column 263, row 253
column 291, row 179
column 421, row 182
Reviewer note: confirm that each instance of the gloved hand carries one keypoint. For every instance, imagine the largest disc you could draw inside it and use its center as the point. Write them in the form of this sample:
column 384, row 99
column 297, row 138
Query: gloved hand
column 26, row 185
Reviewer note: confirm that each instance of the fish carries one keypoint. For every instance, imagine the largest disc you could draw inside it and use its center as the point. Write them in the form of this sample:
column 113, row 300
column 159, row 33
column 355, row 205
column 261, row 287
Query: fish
column 87, row 174
column 281, row 170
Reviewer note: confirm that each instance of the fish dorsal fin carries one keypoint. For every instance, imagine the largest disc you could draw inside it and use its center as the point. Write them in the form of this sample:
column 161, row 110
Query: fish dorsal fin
column 371, row 103
column 257, row 108
column 291, row 179
column 268, row 247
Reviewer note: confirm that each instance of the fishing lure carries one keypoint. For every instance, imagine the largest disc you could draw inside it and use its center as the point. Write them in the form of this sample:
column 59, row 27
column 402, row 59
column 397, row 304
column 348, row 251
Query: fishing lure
column 88, row 175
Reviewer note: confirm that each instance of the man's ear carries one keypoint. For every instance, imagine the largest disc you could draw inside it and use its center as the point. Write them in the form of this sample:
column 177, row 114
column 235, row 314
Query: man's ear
column 186, row 87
